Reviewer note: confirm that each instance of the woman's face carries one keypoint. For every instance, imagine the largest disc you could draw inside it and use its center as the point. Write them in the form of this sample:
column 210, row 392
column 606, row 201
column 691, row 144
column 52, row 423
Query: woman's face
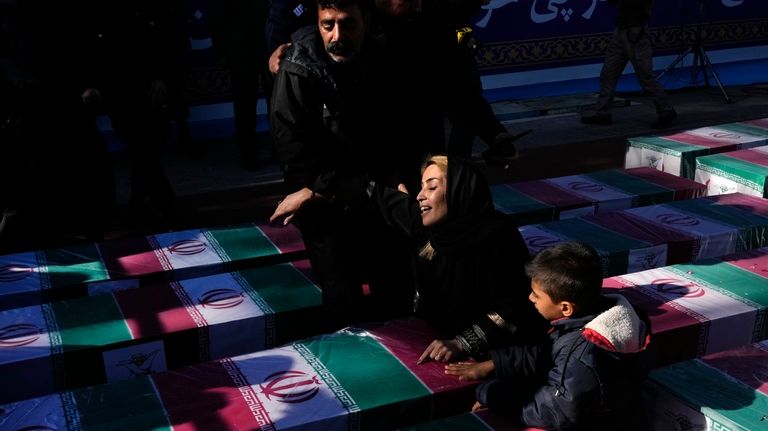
column 431, row 198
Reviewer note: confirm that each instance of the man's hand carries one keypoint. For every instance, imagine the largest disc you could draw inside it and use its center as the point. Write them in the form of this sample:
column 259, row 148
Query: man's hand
column 441, row 351
column 502, row 152
column 290, row 204
column 277, row 57
column 470, row 370
column 477, row 407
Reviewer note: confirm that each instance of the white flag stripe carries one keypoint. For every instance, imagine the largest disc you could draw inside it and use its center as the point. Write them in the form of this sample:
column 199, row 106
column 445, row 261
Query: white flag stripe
column 283, row 374
column 24, row 334
column 725, row 136
column 187, row 249
column 731, row 322
column 586, row 187
column 716, row 239
column 20, row 273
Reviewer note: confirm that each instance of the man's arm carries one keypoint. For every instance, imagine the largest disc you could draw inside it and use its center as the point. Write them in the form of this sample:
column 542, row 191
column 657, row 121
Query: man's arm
column 298, row 133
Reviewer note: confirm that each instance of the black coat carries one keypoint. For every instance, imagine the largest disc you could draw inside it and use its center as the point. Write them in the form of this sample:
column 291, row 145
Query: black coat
column 329, row 121
column 475, row 286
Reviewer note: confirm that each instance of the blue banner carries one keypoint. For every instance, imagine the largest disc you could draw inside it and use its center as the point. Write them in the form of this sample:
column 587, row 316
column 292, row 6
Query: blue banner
column 530, row 34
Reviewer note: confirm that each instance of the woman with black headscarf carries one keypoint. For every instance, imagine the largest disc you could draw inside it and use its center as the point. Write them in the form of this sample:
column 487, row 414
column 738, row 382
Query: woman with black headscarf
column 470, row 277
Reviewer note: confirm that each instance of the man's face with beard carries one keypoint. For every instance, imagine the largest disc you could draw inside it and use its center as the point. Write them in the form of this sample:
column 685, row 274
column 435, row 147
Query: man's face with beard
column 343, row 32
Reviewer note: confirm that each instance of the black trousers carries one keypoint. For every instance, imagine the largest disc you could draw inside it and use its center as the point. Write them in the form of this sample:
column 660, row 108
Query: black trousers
column 352, row 247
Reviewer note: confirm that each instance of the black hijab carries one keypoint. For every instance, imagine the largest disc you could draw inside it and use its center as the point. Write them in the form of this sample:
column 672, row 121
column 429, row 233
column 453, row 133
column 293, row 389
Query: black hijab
column 472, row 219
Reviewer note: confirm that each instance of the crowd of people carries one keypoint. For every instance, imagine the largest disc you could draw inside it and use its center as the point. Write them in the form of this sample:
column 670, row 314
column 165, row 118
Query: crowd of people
column 359, row 92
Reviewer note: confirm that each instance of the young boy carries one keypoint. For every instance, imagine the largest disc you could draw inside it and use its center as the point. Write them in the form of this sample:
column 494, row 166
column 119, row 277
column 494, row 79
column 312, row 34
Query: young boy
column 587, row 375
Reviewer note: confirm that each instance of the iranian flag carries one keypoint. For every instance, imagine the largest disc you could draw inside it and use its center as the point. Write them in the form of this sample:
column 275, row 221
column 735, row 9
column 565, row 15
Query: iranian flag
column 722, row 391
column 698, row 309
column 352, row 379
column 676, row 153
column 37, row 277
column 743, row 171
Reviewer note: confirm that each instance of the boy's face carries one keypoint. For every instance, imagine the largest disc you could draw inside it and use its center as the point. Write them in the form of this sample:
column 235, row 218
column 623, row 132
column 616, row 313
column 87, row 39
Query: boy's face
column 544, row 304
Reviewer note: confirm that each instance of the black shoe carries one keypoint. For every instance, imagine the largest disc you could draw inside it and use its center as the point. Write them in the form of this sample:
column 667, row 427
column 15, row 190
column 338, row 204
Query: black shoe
column 600, row 119
column 665, row 119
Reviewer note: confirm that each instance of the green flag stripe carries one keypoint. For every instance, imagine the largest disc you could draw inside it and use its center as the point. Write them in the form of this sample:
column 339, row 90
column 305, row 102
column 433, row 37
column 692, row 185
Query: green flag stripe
column 666, row 146
column 742, row 285
column 132, row 404
column 90, row 321
column 241, row 242
column 515, row 202
column 629, row 184
column 749, row 174
column 600, row 238
column 744, row 129
column 283, row 287
column 371, row 375
column 720, row 397
column 75, row 265
column 723, row 214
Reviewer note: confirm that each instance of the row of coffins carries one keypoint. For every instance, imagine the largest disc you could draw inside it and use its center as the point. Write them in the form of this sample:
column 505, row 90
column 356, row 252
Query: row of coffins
column 351, row 379
column 629, row 240
column 107, row 337
column 648, row 237
column 67, row 272
column 676, row 153
column 695, row 309
column 596, row 192
column 134, row 332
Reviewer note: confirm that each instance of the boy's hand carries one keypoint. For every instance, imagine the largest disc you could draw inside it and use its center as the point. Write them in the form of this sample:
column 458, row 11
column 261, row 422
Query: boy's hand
column 441, row 351
column 470, row 370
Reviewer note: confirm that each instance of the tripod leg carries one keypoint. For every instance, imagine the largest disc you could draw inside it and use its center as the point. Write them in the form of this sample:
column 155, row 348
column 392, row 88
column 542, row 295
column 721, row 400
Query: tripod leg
column 702, row 65
column 707, row 63
column 675, row 62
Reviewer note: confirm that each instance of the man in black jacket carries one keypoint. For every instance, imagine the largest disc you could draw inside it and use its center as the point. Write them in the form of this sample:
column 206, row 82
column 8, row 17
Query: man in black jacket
column 330, row 106
column 436, row 77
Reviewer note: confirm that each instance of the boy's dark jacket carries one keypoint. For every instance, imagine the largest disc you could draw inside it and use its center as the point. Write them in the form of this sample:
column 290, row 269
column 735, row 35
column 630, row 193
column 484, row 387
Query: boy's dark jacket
column 587, row 376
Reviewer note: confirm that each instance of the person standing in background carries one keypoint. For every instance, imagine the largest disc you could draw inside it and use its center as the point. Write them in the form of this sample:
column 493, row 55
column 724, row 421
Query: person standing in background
column 240, row 41
column 630, row 43
column 135, row 61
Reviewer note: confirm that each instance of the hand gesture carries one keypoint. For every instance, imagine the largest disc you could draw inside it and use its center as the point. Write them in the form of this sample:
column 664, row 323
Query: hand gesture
column 441, row 351
column 290, row 204
column 477, row 407
column 466, row 371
